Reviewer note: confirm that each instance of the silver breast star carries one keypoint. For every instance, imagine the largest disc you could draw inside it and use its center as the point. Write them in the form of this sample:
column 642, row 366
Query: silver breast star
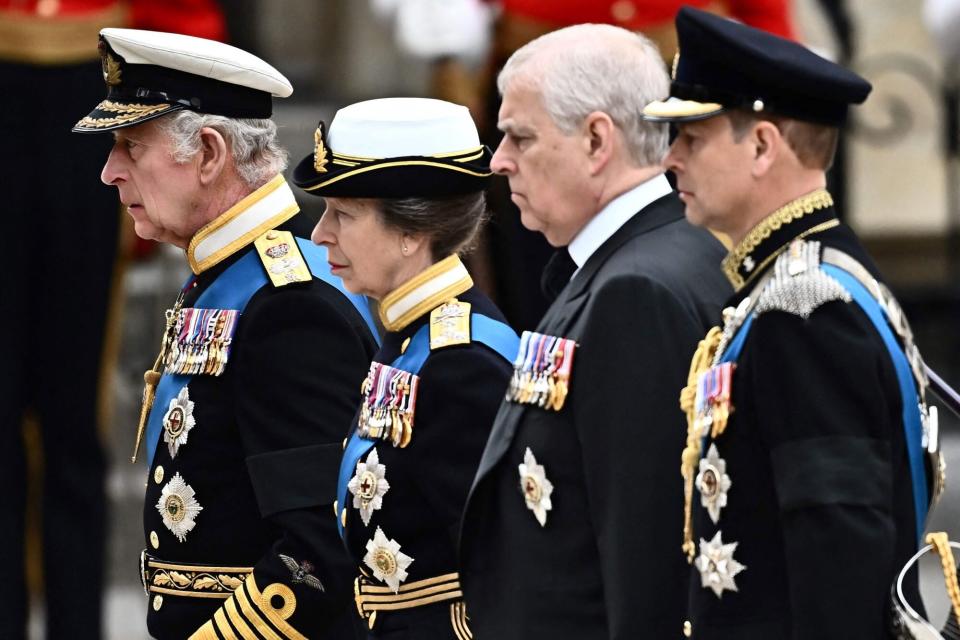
column 713, row 483
column 716, row 565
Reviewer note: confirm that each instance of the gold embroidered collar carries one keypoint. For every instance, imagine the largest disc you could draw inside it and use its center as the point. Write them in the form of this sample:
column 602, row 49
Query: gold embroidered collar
column 424, row 292
column 752, row 255
column 269, row 206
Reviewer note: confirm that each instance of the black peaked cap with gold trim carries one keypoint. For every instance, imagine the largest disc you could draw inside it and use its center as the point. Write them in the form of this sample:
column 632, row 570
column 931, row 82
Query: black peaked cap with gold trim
column 150, row 74
column 396, row 148
column 724, row 65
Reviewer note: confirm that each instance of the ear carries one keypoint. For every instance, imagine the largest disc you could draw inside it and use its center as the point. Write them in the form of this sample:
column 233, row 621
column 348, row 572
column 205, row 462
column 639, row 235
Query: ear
column 599, row 137
column 214, row 155
column 768, row 144
column 411, row 244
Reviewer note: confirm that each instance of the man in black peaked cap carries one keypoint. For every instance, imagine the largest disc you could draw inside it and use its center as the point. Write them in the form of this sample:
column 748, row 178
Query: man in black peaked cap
column 805, row 468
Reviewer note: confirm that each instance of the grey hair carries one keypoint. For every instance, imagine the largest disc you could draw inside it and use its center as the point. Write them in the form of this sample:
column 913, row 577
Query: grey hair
column 256, row 151
column 596, row 67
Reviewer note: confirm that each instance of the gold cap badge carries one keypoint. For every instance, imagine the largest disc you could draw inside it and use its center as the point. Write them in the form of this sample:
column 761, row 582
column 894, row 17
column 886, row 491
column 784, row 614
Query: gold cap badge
column 319, row 150
column 110, row 66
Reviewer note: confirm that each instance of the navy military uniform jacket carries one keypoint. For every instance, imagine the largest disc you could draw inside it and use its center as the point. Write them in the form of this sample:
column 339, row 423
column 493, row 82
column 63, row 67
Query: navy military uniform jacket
column 808, row 487
column 403, row 539
column 239, row 537
column 603, row 563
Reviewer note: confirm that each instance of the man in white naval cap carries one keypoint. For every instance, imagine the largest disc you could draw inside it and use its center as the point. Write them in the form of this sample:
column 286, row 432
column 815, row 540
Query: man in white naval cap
column 263, row 351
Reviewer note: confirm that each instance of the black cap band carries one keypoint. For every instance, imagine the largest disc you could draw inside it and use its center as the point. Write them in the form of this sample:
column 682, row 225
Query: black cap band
column 153, row 85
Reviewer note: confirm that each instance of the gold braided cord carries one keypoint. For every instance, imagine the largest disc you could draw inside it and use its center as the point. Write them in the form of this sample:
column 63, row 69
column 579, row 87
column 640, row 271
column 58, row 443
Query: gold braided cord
column 941, row 543
column 794, row 210
column 702, row 359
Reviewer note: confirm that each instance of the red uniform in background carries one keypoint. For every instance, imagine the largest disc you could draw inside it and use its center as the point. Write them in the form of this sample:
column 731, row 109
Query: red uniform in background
column 57, row 276
column 200, row 18
column 638, row 15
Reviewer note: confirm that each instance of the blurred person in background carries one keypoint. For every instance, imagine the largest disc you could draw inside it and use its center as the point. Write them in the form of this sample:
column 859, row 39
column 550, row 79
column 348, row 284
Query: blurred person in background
column 245, row 406
column 942, row 19
column 59, row 283
column 404, row 182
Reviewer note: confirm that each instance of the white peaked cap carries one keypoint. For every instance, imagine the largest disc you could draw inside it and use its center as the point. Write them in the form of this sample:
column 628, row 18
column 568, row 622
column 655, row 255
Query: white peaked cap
column 150, row 74
column 199, row 56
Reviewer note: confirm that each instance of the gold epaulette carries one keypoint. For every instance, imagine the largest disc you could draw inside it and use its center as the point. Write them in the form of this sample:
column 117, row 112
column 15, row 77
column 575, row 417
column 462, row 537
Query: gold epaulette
column 282, row 258
column 450, row 324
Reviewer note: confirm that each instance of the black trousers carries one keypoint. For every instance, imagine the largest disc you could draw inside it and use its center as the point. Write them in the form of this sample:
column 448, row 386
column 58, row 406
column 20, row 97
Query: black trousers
column 57, row 259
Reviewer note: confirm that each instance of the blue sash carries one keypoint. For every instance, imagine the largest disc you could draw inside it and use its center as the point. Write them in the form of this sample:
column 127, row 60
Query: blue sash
column 912, row 426
column 232, row 290
column 494, row 334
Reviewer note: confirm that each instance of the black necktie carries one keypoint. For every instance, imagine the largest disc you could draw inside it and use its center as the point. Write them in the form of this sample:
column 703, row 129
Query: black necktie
column 557, row 273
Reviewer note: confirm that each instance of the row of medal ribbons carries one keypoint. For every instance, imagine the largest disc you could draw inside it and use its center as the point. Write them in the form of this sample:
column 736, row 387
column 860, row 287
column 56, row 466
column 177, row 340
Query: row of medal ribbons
column 712, row 401
column 201, row 340
column 541, row 372
column 389, row 402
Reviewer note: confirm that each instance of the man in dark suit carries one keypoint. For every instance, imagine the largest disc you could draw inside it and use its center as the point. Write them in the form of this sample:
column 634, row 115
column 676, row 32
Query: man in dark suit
column 263, row 351
column 571, row 527
column 806, row 465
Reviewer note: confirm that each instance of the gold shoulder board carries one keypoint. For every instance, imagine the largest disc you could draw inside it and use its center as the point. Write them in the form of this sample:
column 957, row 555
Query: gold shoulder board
column 282, row 259
column 450, row 324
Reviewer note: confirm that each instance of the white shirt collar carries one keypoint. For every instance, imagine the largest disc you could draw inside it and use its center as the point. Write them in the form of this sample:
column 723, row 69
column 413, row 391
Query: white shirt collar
column 615, row 215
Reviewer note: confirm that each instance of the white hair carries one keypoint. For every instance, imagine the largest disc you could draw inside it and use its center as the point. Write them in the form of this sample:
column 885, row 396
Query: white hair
column 596, row 67
column 257, row 154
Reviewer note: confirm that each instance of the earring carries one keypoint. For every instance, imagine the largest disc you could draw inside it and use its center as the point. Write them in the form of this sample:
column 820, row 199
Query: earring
column 403, row 248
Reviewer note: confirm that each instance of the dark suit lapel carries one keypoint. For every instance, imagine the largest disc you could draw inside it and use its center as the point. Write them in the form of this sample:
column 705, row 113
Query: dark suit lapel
column 564, row 311
column 556, row 321
column 656, row 214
